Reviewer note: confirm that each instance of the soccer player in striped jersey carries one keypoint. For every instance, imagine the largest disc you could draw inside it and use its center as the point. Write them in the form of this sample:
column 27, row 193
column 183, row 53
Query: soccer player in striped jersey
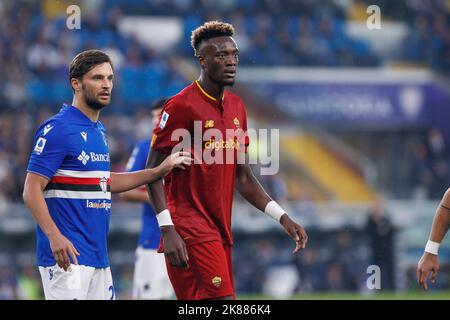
column 68, row 186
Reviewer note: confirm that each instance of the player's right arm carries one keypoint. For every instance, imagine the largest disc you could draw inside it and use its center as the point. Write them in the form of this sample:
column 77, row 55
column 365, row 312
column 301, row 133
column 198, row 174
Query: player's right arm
column 50, row 149
column 429, row 262
column 174, row 246
column 176, row 119
column 33, row 197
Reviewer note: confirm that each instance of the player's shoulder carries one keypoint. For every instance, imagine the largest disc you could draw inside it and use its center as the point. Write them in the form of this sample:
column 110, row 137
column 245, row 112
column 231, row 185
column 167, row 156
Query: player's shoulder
column 234, row 98
column 53, row 126
column 183, row 99
column 230, row 95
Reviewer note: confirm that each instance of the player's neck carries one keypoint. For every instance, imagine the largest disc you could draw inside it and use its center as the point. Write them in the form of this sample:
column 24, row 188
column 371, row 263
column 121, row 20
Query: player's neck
column 89, row 112
column 211, row 88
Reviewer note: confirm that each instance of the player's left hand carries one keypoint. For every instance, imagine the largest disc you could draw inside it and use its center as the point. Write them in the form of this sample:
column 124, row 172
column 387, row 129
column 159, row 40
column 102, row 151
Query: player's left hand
column 296, row 232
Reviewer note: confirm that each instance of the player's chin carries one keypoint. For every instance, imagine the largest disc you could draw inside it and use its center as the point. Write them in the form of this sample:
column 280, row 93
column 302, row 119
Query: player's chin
column 99, row 104
column 104, row 100
column 228, row 81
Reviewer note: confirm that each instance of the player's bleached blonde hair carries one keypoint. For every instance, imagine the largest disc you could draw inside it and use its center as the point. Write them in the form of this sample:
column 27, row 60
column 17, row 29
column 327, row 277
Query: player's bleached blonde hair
column 208, row 30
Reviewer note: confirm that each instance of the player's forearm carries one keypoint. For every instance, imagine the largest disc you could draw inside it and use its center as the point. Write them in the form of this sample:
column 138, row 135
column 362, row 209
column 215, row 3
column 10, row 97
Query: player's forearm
column 249, row 187
column 125, row 181
column 135, row 195
column 441, row 223
column 35, row 202
column 156, row 189
column 156, row 193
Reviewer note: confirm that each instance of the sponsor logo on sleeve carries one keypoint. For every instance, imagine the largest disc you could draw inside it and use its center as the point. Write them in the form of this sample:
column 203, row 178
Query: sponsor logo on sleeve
column 40, row 144
column 163, row 121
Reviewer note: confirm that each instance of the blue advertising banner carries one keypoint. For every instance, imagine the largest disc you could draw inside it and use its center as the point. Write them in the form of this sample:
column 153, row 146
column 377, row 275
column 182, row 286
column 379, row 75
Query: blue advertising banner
column 380, row 105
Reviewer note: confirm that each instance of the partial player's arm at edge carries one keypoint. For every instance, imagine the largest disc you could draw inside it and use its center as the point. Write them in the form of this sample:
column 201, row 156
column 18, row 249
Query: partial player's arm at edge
column 429, row 262
column 441, row 221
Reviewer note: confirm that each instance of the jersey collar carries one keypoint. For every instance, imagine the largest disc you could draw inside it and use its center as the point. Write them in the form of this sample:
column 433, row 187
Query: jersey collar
column 208, row 96
column 76, row 113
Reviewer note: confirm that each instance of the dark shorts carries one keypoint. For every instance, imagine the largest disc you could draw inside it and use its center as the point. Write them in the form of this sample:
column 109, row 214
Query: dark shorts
column 210, row 273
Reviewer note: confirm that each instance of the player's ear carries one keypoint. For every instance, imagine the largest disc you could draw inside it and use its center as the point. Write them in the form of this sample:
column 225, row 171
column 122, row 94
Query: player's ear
column 202, row 61
column 75, row 84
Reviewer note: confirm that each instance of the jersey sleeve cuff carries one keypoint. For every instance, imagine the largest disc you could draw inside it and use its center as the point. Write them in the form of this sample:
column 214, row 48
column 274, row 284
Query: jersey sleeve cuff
column 44, row 172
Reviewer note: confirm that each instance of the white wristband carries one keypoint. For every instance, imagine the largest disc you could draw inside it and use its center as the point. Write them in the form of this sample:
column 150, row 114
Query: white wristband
column 274, row 211
column 164, row 218
column 432, row 247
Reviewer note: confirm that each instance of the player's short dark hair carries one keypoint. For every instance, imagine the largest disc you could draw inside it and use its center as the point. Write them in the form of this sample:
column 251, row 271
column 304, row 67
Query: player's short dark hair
column 208, row 30
column 158, row 104
column 85, row 61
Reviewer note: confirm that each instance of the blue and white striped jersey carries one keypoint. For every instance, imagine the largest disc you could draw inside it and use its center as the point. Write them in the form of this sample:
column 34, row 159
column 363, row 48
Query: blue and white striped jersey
column 72, row 152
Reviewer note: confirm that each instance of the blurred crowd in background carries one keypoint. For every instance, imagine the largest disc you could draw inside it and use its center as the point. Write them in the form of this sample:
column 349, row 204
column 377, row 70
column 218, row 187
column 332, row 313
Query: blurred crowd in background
column 33, row 66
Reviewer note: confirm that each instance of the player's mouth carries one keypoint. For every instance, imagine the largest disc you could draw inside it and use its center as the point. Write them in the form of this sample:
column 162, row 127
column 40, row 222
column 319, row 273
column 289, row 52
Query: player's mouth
column 104, row 95
column 230, row 73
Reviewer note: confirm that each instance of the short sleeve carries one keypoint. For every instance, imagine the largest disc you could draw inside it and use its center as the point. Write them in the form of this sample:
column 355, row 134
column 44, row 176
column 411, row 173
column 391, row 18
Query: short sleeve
column 174, row 124
column 49, row 150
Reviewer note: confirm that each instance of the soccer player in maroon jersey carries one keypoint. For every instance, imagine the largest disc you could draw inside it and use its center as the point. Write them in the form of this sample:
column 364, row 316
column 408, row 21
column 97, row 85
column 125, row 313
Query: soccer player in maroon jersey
column 194, row 206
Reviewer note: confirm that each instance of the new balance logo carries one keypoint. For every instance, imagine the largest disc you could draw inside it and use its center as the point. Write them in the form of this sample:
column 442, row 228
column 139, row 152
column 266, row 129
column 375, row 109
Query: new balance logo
column 83, row 157
column 47, row 128
column 84, row 135
column 209, row 123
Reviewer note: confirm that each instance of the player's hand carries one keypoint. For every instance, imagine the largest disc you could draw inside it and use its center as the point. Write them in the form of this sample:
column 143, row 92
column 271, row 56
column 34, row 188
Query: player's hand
column 62, row 249
column 428, row 263
column 174, row 247
column 296, row 232
column 178, row 160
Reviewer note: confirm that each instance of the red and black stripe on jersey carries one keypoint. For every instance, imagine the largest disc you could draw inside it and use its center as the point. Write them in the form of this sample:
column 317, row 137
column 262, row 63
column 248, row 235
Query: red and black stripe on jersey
column 76, row 184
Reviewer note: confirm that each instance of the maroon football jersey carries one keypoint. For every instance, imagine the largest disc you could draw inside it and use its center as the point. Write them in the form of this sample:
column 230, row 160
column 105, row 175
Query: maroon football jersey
column 200, row 198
